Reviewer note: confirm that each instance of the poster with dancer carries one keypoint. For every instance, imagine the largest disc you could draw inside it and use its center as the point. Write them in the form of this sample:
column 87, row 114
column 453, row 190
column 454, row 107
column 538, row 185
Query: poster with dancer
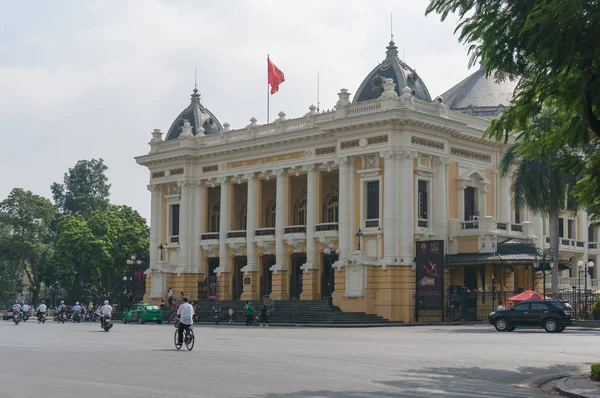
column 429, row 269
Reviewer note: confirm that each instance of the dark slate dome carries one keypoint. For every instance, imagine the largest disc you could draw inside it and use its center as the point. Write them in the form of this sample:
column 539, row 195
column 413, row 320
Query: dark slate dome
column 391, row 67
column 480, row 95
column 198, row 116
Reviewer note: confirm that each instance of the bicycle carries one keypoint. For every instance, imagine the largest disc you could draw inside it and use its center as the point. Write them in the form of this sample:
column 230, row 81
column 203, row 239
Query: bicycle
column 188, row 338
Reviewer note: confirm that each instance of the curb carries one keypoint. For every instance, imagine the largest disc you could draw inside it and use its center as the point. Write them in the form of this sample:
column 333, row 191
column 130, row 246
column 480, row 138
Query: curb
column 562, row 388
column 539, row 381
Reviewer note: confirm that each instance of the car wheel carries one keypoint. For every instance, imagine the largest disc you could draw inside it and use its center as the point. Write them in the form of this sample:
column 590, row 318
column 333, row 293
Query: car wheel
column 140, row 321
column 550, row 326
column 510, row 329
column 124, row 320
column 501, row 324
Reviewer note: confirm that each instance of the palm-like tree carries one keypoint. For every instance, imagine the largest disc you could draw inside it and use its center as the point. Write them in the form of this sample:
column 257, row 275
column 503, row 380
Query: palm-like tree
column 543, row 188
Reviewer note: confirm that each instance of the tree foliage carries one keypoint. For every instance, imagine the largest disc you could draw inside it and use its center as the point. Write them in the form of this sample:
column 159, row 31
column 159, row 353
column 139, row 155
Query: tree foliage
column 85, row 188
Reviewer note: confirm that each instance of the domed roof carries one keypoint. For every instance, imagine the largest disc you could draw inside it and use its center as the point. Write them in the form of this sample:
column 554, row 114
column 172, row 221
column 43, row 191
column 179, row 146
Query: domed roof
column 479, row 95
column 391, row 67
column 198, row 116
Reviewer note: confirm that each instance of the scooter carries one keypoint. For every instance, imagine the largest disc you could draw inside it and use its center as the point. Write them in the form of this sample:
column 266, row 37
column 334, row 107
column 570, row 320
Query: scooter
column 25, row 316
column 106, row 323
column 42, row 317
column 217, row 316
column 16, row 317
column 76, row 317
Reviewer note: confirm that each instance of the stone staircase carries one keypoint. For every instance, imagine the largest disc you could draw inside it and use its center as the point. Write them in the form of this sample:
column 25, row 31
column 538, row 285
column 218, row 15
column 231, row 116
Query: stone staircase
column 293, row 312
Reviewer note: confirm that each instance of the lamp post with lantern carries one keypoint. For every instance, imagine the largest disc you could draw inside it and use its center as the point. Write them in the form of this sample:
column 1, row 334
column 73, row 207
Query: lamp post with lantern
column 331, row 252
column 583, row 266
column 541, row 257
column 132, row 262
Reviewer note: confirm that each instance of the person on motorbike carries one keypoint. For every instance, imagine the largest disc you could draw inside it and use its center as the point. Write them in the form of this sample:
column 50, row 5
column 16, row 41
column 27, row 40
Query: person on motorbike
column 105, row 312
column 17, row 309
column 76, row 310
column 185, row 312
column 41, row 309
column 25, row 307
column 61, row 307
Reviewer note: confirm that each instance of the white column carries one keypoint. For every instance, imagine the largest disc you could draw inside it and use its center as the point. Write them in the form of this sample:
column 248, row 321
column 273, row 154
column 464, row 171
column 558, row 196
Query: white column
column 184, row 227
column 505, row 200
column 440, row 201
column 280, row 209
column 583, row 226
column 198, row 228
column 224, row 221
column 311, row 218
column 460, row 185
column 389, row 205
column 406, row 219
column 482, row 202
column 346, row 232
column 251, row 224
column 154, row 225
column 538, row 228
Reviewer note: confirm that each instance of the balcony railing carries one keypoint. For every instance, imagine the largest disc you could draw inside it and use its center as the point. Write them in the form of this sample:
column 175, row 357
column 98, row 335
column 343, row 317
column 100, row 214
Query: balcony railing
column 592, row 245
column 210, row 236
column 516, row 227
column 174, row 239
column 328, row 226
column 264, row 231
column 501, row 226
column 236, row 234
column 372, row 223
column 469, row 225
column 422, row 223
column 295, row 229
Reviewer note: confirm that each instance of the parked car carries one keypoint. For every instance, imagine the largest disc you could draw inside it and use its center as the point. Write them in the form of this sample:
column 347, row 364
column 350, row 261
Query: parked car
column 552, row 315
column 142, row 313
column 8, row 313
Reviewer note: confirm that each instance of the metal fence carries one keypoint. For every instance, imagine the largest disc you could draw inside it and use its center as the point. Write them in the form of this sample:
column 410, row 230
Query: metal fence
column 581, row 301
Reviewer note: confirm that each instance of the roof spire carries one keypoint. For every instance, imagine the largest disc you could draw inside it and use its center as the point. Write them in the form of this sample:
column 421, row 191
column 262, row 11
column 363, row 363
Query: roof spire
column 195, row 95
column 195, row 78
column 392, row 50
column 391, row 27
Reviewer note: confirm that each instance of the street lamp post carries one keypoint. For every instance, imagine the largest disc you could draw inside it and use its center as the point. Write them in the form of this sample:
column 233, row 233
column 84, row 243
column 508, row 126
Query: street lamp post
column 359, row 234
column 583, row 266
column 132, row 262
column 331, row 252
column 549, row 253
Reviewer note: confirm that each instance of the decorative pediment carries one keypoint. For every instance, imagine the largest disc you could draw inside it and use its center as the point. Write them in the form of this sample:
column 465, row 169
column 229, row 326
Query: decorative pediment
column 474, row 174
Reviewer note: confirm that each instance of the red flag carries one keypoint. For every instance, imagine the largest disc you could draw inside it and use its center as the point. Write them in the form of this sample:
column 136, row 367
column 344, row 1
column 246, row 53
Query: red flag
column 275, row 76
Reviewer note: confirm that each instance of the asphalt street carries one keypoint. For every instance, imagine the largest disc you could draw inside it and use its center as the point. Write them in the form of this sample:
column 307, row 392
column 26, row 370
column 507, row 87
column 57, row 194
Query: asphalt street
column 75, row 360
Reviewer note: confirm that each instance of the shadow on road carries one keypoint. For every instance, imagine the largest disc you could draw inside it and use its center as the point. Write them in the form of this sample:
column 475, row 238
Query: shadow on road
column 448, row 383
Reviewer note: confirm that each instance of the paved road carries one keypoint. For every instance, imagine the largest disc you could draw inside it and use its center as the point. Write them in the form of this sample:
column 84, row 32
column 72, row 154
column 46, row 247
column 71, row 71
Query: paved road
column 75, row 360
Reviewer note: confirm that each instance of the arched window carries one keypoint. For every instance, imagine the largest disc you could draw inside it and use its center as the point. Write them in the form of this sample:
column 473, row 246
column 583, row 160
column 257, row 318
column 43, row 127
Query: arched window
column 300, row 211
column 271, row 214
column 332, row 209
column 243, row 218
column 215, row 217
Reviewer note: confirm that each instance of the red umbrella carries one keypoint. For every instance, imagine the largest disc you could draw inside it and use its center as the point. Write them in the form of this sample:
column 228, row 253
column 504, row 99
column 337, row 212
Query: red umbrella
column 527, row 295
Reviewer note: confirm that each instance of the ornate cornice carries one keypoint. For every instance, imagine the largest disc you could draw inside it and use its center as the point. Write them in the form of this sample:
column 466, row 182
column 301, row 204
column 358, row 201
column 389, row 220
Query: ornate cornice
column 470, row 154
column 427, row 143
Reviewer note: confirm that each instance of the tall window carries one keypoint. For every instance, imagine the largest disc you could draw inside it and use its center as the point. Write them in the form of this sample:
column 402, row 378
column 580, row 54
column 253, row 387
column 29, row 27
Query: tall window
column 470, row 203
column 571, row 229
column 332, row 209
column 517, row 216
column 300, row 211
column 591, row 236
column 271, row 214
column 423, row 188
column 215, row 217
column 561, row 227
column 174, row 220
column 372, row 200
column 244, row 218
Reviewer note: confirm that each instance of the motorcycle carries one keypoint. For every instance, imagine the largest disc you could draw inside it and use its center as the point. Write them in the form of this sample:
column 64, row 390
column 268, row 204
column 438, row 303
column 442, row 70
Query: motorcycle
column 76, row 317
column 41, row 317
column 16, row 317
column 217, row 316
column 25, row 316
column 86, row 316
column 106, row 323
column 61, row 318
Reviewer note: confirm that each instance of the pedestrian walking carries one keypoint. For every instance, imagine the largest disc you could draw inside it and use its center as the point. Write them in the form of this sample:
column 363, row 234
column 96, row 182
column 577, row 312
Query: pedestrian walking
column 170, row 297
column 249, row 312
column 264, row 316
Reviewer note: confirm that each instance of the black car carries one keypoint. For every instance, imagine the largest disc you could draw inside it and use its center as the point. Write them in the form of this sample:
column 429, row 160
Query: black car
column 552, row 315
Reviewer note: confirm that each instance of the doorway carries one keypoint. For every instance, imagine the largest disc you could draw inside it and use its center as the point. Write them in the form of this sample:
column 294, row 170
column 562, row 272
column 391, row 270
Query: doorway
column 470, row 204
column 327, row 275
column 237, row 277
column 298, row 260
column 266, row 277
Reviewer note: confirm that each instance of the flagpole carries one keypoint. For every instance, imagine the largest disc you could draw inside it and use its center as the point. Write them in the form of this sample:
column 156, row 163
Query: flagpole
column 268, row 94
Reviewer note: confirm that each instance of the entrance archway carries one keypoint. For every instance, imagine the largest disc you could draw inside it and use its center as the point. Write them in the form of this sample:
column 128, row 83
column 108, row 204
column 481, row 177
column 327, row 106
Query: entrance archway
column 327, row 274
column 237, row 277
column 297, row 261
column 266, row 279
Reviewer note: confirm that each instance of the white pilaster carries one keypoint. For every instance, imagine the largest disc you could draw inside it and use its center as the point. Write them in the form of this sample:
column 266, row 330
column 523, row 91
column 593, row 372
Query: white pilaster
column 185, row 236
column 440, row 198
column 224, row 222
column 482, row 202
column 345, row 220
column 583, row 226
column 251, row 224
column 460, row 185
column 505, row 200
column 154, row 224
column 280, row 209
column 198, row 227
column 311, row 218
column 389, row 205
column 405, row 197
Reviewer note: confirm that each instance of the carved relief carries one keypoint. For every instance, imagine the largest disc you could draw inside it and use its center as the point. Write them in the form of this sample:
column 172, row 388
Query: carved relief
column 158, row 174
column 470, row 154
column 378, row 140
column 371, row 161
column 178, row 171
column 325, row 151
column 350, row 144
column 427, row 143
column 208, row 169
column 174, row 189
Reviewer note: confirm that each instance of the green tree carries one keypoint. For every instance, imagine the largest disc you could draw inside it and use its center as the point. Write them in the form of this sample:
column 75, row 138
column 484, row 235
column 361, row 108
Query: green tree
column 25, row 248
column 543, row 188
column 550, row 46
column 85, row 188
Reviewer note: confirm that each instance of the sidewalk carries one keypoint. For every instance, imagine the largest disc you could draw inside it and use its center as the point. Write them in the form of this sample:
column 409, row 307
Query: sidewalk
column 578, row 387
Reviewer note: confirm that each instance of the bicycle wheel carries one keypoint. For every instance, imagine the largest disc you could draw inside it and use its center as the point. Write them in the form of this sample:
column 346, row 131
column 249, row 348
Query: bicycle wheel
column 177, row 345
column 190, row 339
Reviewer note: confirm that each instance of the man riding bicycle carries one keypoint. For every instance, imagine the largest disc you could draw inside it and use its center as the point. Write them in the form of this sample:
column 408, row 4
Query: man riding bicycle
column 186, row 315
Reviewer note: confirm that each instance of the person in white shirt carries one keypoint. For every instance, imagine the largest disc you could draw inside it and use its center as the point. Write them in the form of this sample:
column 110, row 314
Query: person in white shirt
column 500, row 307
column 186, row 318
column 25, row 307
column 17, row 309
column 105, row 311
column 41, row 309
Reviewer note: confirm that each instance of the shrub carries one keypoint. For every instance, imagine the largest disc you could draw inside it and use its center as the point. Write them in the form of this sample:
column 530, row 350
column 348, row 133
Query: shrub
column 596, row 305
column 596, row 372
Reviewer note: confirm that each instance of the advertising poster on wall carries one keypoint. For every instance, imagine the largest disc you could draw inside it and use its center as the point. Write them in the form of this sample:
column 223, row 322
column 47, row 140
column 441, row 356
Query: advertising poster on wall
column 429, row 269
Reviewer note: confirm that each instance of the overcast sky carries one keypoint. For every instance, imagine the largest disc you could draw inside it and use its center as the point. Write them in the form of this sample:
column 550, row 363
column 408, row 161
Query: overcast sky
column 91, row 79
